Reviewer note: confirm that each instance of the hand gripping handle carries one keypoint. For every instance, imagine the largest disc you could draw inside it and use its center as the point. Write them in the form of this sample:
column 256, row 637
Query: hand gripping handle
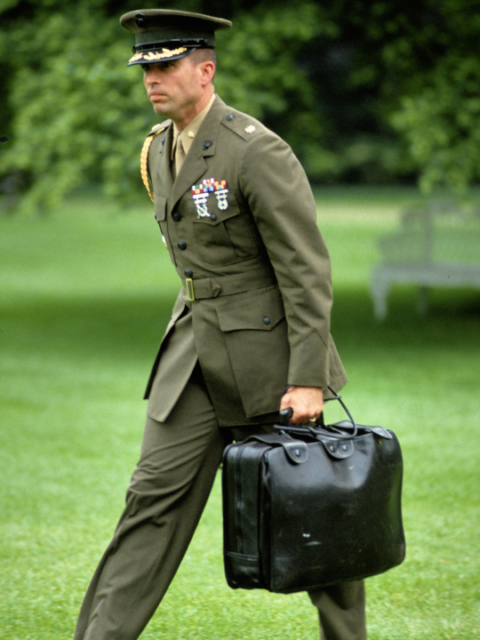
column 319, row 428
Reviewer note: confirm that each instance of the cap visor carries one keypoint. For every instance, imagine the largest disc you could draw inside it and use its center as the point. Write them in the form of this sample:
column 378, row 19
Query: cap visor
column 158, row 55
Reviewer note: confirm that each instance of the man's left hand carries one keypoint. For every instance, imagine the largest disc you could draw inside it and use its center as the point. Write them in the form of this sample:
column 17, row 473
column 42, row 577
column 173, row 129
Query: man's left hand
column 306, row 402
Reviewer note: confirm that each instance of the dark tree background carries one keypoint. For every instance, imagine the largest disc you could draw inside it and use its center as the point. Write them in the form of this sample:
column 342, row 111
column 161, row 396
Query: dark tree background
column 372, row 92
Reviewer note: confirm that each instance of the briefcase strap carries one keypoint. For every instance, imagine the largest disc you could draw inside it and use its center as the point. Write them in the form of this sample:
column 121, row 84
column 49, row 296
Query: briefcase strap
column 347, row 429
column 286, row 414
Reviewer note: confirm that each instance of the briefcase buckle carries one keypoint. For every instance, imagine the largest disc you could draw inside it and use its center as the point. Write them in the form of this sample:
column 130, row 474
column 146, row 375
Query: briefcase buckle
column 189, row 289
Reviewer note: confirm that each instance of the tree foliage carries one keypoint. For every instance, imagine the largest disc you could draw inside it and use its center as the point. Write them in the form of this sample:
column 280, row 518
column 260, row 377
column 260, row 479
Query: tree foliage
column 424, row 60
column 79, row 114
column 363, row 91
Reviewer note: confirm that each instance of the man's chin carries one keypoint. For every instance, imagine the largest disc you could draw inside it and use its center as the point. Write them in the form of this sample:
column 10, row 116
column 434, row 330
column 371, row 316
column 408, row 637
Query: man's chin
column 161, row 110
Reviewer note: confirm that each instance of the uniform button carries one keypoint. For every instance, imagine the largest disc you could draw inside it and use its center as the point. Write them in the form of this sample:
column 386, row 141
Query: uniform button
column 207, row 144
column 266, row 320
column 176, row 216
column 188, row 273
column 213, row 217
column 230, row 117
column 182, row 245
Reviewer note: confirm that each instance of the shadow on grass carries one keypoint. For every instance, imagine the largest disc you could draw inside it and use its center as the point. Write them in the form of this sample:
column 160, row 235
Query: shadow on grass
column 453, row 322
column 129, row 327
column 116, row 328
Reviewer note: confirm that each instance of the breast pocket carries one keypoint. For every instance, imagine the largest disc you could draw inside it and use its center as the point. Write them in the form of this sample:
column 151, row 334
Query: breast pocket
column 255, row 331
column 223, row 232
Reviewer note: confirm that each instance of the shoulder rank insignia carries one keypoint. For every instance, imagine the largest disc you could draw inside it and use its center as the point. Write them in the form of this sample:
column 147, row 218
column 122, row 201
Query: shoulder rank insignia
column 202, row 191
column 250, row 129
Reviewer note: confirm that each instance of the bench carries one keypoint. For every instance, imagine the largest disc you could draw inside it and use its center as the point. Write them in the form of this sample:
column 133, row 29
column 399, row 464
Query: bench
column 436, row 246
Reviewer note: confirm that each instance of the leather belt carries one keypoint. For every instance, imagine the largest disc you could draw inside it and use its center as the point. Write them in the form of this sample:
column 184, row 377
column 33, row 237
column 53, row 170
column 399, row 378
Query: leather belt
column 204, row 288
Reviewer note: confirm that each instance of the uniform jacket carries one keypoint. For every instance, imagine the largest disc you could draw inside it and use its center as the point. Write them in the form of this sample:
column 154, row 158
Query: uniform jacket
column 239, row 223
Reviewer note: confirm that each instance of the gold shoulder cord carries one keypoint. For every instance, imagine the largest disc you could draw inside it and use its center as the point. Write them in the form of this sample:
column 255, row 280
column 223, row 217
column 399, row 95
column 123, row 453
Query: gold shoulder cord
column 144, row 162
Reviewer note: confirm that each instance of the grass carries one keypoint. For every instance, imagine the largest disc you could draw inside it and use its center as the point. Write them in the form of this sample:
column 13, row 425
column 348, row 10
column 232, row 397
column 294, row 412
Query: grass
column 85, row 296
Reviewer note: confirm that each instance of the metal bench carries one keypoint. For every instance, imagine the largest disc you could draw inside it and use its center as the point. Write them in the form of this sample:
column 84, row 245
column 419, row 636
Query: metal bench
column 437, row 246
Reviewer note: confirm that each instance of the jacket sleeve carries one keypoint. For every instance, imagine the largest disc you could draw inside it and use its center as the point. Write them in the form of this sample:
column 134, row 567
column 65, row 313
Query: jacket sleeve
column 281, row 200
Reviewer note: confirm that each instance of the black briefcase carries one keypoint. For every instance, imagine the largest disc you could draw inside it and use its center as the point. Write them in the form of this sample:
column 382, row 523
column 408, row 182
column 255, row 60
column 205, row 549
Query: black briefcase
column 307, row 507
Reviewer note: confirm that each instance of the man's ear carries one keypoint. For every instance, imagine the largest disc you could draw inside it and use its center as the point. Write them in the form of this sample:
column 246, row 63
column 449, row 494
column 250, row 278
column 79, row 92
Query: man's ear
column 207, row 69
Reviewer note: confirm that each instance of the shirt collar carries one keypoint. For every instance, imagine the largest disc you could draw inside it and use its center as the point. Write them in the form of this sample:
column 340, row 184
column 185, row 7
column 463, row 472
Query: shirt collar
column 188, row 134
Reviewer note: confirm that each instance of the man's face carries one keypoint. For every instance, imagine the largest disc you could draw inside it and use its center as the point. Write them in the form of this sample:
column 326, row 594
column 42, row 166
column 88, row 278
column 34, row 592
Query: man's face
column 174, row 88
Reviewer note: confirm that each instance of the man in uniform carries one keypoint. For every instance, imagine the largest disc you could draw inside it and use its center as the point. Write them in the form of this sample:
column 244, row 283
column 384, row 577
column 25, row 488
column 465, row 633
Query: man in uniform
column 249, row 333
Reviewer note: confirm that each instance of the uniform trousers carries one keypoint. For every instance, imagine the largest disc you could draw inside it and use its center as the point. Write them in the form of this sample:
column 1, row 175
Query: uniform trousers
column 165, row 499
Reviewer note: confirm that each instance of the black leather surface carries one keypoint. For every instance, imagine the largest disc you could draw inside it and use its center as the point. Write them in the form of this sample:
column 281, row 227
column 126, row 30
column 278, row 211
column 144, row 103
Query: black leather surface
column 299, row 515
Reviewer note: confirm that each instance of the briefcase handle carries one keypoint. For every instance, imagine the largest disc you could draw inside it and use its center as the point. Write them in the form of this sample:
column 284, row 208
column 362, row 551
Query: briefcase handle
column 319, row 427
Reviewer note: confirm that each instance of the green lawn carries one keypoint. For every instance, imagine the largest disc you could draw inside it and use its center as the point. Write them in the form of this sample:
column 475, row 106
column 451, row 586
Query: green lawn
column 85, row 296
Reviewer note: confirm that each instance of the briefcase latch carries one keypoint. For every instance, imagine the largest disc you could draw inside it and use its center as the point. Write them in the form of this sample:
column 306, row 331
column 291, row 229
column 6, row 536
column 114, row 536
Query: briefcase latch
column 297, row 451
column 339, row 449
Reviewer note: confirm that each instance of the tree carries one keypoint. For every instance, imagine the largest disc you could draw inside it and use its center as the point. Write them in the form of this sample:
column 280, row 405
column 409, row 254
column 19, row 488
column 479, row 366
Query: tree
column 425, row 61
column 79, row 114
column 363, row 91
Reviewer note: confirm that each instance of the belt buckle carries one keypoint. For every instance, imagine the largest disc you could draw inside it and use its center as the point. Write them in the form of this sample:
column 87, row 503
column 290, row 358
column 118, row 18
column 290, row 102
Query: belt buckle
column 189, row 289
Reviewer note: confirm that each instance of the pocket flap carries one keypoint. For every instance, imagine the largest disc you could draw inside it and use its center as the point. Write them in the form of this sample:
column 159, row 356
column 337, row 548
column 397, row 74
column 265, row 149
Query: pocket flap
column 261, row 310
column 214, row 215
column 217, row 217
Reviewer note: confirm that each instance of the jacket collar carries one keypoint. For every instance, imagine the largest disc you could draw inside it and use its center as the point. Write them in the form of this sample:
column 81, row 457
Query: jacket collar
column 195, row 165
column 166, row 151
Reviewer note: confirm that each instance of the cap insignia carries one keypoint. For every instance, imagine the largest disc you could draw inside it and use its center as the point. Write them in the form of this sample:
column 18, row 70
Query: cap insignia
column 153, row 56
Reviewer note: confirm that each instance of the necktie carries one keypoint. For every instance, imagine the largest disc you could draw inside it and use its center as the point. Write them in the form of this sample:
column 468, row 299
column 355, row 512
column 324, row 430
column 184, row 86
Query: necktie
column 179, row 157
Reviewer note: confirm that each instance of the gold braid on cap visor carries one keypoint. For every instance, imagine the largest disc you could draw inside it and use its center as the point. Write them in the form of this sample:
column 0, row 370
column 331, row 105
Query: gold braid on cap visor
column 152, row 56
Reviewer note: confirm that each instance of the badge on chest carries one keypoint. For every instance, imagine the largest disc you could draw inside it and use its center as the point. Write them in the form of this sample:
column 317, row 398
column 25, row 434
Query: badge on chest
column 201, row 193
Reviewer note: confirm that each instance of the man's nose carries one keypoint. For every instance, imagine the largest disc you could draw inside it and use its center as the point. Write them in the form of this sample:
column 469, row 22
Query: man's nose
column 151, row 76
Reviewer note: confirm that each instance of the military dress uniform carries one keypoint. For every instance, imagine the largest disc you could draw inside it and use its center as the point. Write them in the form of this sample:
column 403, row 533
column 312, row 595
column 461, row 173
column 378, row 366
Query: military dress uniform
column 252, row 317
